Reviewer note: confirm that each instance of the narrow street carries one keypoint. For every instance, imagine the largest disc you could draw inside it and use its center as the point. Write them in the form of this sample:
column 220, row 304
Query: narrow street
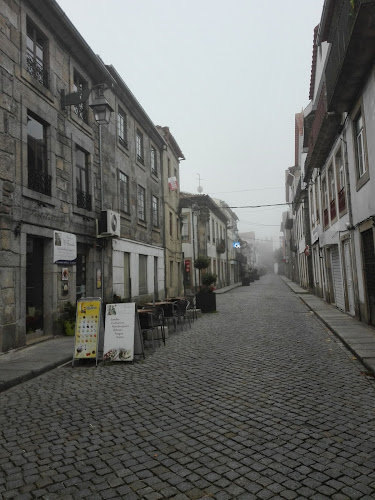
column 256, row 401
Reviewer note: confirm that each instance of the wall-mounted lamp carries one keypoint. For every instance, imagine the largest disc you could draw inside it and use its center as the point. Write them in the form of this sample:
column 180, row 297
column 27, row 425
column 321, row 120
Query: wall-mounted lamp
column 101, row 107
column 348, row 226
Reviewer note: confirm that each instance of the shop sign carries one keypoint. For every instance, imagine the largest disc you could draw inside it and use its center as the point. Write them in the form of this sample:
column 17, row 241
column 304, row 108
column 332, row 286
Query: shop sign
column 64, row 247
column 187, row 266
column 122, row 333
column 88, row 326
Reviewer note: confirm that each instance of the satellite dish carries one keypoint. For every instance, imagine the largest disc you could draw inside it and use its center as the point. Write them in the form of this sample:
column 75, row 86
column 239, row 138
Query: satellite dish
column 199, row 189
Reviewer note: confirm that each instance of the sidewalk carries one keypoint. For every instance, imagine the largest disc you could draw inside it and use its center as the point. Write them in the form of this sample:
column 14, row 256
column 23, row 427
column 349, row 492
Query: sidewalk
column 358, row 337
column 28, row 362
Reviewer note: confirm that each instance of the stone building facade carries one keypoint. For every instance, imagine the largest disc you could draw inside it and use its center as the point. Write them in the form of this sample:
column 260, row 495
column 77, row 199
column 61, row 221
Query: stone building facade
column 172, row 156
column 61, row 173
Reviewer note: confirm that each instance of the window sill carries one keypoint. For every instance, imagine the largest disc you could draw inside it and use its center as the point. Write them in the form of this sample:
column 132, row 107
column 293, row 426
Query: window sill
column 82, row 211
column 123, row 146
column 85, row 127
column 142, row 223
column 39, row 197
column 38, row 86
column 363, row 180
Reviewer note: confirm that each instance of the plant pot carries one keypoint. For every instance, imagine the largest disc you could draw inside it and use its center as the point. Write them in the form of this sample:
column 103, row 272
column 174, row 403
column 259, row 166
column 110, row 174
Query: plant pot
column 69, row 328
column 206, row 302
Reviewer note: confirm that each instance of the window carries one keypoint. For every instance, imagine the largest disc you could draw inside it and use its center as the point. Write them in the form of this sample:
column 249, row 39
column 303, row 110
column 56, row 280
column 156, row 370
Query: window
column 36, row 54
column 139, row 146
column 155, row 211
column 121, row 128
column 208, row 230
column 154, row 163
column 141, row 203
column 325, row 203
column 142, row 274
column 171, row 224
column 339, row 164
column 82, row 179
column 185, row 228
column 37, row 167
column 332, row 192
column 360, row 146
column 177, row 228
column 317, row 201
column 169, row 168
column 213, row 231
column 124, row 192
column 80, row 86
column 171, row 273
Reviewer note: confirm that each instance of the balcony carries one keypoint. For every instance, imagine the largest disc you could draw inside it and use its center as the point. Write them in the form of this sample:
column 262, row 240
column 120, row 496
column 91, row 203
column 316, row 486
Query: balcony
column 352, row 52
column 332, row 209
column 83, row 200
column 342, row 200
column 39, row 181
column 322, row 134
column 37, row 71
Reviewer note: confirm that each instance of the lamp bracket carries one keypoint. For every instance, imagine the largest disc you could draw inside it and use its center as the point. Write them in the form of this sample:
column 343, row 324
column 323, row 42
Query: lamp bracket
column 76, row 98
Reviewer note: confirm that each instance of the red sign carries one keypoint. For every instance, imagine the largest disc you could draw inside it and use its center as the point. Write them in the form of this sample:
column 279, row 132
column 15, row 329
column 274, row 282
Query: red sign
column 187, row 266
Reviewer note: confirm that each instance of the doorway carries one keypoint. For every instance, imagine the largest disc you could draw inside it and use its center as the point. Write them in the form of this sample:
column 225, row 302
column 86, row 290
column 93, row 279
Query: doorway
column 34, row 285
column 369, row 271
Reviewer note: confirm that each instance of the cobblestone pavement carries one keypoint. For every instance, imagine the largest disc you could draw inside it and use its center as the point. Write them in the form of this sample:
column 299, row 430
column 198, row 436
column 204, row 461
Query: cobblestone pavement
column 256, row 401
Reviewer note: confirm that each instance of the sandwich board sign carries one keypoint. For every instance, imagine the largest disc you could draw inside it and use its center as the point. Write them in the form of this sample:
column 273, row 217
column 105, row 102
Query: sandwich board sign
column 87, row 331
column 122, row 335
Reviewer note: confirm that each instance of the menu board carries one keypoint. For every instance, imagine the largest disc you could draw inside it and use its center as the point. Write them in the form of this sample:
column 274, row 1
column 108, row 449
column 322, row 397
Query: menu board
column 88, row 321
column 121, row 328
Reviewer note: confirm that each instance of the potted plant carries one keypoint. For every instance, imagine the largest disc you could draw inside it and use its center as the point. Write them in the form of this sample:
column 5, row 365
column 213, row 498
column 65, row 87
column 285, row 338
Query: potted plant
column 206, row 298
column 67, row 319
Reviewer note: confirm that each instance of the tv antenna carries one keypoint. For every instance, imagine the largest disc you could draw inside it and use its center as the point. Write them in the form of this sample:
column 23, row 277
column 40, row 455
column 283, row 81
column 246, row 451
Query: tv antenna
column 199, row 188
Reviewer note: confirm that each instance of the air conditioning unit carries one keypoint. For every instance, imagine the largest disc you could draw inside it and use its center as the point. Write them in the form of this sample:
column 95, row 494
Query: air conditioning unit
column 109, row 224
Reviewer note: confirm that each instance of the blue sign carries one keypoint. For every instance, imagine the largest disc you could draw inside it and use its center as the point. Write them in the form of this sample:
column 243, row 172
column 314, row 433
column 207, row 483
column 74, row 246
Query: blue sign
column 236, row 244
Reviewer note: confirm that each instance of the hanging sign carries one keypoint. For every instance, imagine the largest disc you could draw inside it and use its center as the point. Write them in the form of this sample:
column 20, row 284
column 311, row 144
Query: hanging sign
column 172, row 183
column 88, row 323
column 122, row 335
column 64, row 247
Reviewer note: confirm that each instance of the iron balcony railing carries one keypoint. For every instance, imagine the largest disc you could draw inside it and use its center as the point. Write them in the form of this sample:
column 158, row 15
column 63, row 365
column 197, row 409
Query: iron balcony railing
column 220, row 245
column 84, row 200
column 39, row 181
column 37, row 70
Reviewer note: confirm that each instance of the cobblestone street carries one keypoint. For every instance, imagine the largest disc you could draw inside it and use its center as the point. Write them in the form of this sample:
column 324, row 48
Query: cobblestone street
column 256, row 401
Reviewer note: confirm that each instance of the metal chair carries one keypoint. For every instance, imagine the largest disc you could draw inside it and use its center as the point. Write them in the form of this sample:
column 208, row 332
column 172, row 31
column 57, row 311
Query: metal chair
column 171, row 313
column 183, row 306
column 158, row 321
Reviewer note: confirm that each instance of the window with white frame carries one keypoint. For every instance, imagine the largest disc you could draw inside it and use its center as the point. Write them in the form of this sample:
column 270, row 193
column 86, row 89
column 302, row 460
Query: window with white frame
column 139, row 146
column 36, row 54
column 155, row 211
column 122, row 127
column 360, row 145
column 154, row 162
column 79, row 86
column 141, row 203
column 124, row 192
column 185, row 228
